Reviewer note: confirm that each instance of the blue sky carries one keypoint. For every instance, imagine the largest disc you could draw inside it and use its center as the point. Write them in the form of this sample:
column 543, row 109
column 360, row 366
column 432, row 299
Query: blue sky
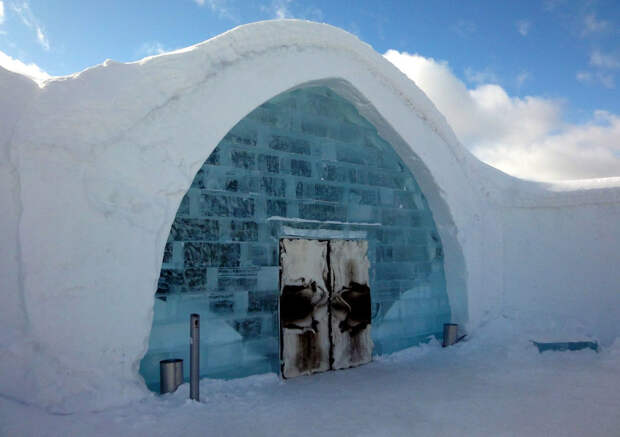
column 559, row 55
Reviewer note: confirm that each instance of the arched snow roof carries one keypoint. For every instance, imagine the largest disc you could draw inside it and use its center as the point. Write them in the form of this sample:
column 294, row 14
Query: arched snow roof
column 103, row 158
column 97, row 163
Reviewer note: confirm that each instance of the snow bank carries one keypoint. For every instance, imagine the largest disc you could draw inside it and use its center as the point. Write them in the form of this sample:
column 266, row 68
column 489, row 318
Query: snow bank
column 94, row 166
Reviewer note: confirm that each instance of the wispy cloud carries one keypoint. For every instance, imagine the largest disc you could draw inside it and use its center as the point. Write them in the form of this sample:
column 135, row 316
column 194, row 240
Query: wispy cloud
column 312, row 13
column 550, row 5
column 281, row 9
column 222, row 8
column 523, row 77
column 1, row 12
column 584, row 76
column 24, row 12
column 593, row 77
column 31, row 70
column 478, row 77
column 591, row 24
column 605, row 60
column 42, row 39
column 526, row 137
column 151, row 48
column 523, row 27
column 604, row 69
column 608, row 80
column 465, row 28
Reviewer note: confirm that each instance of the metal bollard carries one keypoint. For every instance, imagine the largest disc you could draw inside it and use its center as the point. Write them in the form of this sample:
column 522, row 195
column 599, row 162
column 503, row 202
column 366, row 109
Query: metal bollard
column 449, row 334
column 170, row 375
column 194, row 357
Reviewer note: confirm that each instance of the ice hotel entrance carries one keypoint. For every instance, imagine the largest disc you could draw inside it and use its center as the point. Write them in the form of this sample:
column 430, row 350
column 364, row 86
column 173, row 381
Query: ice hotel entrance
column 302, row 169
column 325, row 306
column 137, row 194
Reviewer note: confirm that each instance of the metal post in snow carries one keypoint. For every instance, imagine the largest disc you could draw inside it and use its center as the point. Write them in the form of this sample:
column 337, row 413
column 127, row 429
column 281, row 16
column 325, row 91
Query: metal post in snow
column 194, row 357
column 450, row 334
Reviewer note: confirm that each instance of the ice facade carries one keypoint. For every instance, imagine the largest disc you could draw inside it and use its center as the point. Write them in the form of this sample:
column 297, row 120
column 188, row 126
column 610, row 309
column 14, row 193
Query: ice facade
column 304, row 164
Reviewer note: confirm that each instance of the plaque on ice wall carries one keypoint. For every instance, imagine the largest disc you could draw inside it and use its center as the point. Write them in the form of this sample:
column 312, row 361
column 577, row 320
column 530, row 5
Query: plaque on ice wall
column 324, row 305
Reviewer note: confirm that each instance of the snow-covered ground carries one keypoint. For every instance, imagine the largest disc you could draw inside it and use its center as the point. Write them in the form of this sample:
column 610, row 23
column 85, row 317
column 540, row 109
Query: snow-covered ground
column 480, row 387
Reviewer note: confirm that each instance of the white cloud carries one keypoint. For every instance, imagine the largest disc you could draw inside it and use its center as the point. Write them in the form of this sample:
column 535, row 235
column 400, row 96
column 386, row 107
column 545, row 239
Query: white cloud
column 523, row 77
column 151, row 48
column 42, row 39
column 312, row 13
column 1, row 12
column 584, row 76
column 24, row 12
column 605, row 65
column 465, row 28
column 31, row 70
column 608, row 80
column 281, row 9
column 526, row 137
column 477, row 77
column 603, row 60
column 577, row 151
column 523, row 27
column 590, row 77
column 592, row 25
column 221, row 7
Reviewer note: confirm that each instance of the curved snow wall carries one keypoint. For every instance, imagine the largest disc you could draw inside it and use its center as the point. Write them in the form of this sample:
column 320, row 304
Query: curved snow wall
column 304, row 164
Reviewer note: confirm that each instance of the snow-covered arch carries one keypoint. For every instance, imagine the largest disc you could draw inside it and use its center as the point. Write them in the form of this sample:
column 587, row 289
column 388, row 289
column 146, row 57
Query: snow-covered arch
column 307, row 147
column 97, row 164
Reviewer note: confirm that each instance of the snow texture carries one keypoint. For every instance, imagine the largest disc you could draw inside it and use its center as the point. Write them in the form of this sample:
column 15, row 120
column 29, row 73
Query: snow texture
column 325, row 234
column 94, row 167
column 490, row 385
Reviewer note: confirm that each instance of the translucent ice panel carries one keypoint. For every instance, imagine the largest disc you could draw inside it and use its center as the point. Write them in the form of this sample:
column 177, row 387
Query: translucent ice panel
column 305, row 163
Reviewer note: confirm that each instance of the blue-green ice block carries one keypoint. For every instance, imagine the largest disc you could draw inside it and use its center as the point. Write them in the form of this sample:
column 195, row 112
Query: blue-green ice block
column 302, row 159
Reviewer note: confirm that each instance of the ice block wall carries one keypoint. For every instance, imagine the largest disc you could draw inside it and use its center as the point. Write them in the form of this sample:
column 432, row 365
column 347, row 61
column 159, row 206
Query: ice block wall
column 304, row 164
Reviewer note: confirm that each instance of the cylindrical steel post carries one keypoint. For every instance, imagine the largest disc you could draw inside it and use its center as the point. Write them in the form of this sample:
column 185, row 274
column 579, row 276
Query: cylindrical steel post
column 450, row 331
column 194, row 357
column 170, row 375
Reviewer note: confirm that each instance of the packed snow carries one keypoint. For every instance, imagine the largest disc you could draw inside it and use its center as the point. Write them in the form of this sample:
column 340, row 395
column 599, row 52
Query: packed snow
column 489, row 385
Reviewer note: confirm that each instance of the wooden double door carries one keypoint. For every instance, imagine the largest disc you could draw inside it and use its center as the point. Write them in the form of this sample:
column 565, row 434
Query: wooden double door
column 325, row 306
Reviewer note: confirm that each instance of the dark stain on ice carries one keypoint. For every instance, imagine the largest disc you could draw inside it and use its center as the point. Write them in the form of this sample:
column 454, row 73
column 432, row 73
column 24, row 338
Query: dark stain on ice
column 357, row 348
column 296, row 312
column 308, row 355
column 356, row 305
column 296, row 304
